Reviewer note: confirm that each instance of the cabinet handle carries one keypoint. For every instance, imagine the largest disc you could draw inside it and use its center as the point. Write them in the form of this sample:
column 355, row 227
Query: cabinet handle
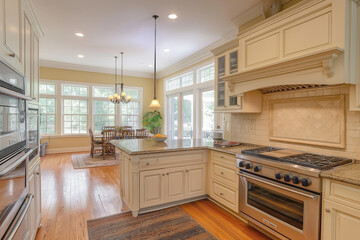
column 38, row 173
column 221, row 157
column 163, row 174
column 147, row 164
column 186, row 170
column 12, row 55
column 167, row 174
column 221, row 194
column 327, row 210
column 222, row 173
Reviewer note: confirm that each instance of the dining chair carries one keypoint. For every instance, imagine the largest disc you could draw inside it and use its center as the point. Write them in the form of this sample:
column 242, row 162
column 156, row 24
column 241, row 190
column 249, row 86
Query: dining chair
column 107, row 147
column 142, row 133
column 96, row 144
column 109, row 128
column 128, row 134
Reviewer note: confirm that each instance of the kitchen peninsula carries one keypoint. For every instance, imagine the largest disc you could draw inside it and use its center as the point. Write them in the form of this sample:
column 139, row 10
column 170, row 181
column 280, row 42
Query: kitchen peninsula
column 156, row 175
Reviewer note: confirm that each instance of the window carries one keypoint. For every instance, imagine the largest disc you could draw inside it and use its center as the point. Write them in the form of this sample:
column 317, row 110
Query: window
column 206, row 73
column 75, row 116
column 78, row 106
column 47, row 115
column 185, row 110
column 47, row 89
column 71, row 90
column 131, row 112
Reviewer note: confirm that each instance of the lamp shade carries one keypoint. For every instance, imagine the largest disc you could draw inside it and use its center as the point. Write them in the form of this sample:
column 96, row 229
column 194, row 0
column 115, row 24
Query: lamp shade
column 155, row 103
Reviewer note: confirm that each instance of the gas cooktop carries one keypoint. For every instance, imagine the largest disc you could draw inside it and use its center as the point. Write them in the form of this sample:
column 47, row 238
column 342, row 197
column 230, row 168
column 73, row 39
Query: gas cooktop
column 317, row 161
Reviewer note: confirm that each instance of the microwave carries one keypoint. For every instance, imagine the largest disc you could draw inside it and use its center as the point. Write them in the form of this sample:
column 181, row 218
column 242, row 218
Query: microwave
column 11, row 80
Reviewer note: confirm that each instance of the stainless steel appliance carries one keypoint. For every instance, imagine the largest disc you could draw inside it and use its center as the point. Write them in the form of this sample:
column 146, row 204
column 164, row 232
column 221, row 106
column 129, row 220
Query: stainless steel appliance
column 33, row 129
column 280, row 190
column 11, row 80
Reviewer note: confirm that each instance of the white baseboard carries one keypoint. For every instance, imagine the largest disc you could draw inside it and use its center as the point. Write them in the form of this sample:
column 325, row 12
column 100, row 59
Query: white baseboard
column 67, row 150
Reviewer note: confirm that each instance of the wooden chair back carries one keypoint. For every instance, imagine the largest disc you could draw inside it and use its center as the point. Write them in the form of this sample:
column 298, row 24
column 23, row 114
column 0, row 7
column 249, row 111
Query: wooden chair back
column 142, row 133
column 109, row 135
column 128, row 134
column 91, row 134
column 109, row 128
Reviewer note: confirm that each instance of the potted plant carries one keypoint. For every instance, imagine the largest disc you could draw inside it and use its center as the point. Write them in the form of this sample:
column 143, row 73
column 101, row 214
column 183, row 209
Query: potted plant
column 152, row 121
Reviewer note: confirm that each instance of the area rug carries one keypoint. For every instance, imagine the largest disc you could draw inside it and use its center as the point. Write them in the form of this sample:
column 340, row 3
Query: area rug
column 86, row 161
column 172, row 224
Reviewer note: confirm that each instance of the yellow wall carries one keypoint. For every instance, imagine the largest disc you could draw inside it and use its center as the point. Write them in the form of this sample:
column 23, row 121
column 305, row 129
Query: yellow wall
column 71, row 142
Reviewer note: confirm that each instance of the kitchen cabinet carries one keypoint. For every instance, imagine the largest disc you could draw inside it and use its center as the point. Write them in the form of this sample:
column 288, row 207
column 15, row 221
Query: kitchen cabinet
column 171, row 185
column 35, row 69
column 223, row 180
column 34, row 212
column 11, row 33
column 341, row 211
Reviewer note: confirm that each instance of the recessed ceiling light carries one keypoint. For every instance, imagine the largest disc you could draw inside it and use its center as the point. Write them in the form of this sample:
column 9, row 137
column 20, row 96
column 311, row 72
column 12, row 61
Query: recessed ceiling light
column 80, row 56
column 150, row 65
column 172, row 16
column 166, row 49
column 79, row 34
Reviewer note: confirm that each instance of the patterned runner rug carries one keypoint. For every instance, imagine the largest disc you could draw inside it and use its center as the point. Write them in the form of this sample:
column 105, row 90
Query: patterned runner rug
column 86, row 161
column 172, row 224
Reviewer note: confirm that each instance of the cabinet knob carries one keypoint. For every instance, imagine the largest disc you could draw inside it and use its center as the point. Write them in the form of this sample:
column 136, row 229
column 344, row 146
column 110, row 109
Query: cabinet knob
column 186, row 170
column 221, row 194
column 222, row 157
column 12, row 55
column 222, row 173
column 167, row 173
column 327, row 210
column 147, row 164
column 163, row 174
column 38, row 173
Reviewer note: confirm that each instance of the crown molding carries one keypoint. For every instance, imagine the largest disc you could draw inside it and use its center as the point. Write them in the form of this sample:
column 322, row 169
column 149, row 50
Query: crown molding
column 86, row 68
column 199, row 56
column 27, row 5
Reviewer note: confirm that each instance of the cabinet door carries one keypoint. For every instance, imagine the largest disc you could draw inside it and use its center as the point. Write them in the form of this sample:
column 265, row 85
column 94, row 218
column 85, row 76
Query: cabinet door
column 11, row 32
column 151, row 188
column 27, row 56
column 31, row 215
column 340, row 222
column 175, row 184
column 35, row 68
column 37, row 196
column 195, row 181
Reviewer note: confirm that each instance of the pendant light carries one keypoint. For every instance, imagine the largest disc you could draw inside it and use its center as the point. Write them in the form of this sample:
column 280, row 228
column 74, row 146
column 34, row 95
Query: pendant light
column 122, row 98
column 155, row 103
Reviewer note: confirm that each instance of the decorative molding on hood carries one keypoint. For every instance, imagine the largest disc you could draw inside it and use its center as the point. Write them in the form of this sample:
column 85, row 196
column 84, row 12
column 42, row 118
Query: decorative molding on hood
column 322, row 59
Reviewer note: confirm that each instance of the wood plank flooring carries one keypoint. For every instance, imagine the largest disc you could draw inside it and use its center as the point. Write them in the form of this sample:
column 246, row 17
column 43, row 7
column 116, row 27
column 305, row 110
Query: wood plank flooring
column 72, row 196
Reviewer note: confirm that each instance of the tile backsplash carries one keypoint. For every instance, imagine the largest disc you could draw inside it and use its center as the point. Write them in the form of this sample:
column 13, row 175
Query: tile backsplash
column 254, row 128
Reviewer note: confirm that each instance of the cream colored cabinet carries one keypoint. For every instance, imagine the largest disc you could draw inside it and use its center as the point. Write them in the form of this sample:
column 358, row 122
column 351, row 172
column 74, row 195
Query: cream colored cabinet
column 27, row 55
column 223, row 180
column 11, row 33
column 35, row 69
column 340, row 211
column 171, row 185
column 34, row 212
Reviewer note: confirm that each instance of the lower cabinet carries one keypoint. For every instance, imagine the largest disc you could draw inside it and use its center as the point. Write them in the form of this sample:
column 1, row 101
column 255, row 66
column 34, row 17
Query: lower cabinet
column 34, row 212
column 171, row 184
column 340, row 211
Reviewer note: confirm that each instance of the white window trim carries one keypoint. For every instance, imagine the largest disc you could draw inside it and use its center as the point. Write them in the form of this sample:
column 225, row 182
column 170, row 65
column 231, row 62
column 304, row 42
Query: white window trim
column 59, row 115
column 196, row 88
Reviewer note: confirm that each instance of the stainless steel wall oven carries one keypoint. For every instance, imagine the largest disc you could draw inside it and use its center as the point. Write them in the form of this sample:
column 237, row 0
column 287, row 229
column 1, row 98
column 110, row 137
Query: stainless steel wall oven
column 33, row 129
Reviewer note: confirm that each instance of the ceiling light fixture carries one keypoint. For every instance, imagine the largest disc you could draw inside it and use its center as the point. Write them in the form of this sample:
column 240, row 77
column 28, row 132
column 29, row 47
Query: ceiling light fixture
column 155, row 103
column 166, row 50
column 80, row 56
column 122, row 98
column 150, row 65
column 172, row 16
column 79, row 34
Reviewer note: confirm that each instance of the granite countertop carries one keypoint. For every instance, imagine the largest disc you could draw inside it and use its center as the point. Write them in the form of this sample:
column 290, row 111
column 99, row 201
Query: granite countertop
column 149, row 145
column 349, row 173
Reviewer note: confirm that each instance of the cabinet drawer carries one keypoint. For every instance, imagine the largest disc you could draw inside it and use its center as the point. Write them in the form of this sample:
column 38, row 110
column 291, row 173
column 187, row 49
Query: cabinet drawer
column 148, row 163
column 224, row 195
column 225, row 175
column 343, row 193
column 228, row 160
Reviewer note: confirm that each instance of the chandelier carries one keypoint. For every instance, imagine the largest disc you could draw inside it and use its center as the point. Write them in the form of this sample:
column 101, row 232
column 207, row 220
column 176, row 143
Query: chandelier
column 155, row 102
column 122, row 98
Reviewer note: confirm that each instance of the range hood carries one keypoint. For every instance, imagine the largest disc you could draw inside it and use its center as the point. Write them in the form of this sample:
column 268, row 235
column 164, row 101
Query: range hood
column 313, row 43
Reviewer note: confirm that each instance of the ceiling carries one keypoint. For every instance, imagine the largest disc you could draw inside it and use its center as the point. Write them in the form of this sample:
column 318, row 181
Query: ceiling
column 112, row 26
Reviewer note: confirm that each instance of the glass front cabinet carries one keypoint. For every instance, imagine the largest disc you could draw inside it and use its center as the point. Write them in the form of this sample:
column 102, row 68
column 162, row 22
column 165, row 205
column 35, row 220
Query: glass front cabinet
column 226, row 64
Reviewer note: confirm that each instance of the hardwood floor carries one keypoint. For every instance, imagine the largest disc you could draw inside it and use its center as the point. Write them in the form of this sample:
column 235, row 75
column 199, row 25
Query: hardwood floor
column 72, row 196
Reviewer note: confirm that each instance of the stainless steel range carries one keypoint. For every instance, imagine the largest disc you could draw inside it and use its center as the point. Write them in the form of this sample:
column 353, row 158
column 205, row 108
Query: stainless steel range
column 280, row 190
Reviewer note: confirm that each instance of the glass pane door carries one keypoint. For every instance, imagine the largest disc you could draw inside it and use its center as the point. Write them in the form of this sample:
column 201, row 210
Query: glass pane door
column 207, row 114
column 187, row 116
column 173, row 123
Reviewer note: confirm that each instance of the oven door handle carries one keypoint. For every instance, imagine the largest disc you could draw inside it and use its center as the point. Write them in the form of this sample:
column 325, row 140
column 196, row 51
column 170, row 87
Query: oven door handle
column 314, row 197
column 27, row 203
column 16, row 163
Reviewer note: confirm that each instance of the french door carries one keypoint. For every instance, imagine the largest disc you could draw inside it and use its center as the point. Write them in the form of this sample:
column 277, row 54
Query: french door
column 207, row 113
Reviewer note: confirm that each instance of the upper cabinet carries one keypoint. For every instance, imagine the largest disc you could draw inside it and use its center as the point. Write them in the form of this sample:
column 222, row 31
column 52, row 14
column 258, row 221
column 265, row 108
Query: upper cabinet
column 20, row 32
column 11, row 51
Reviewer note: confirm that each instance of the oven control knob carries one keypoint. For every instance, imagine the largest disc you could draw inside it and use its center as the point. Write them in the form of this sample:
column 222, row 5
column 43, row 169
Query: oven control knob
column 305, row 182
column 278, row 176
column 296, row 179
column 257, row 169
column 287, row 177
column 242, row 164
column 249, row 165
